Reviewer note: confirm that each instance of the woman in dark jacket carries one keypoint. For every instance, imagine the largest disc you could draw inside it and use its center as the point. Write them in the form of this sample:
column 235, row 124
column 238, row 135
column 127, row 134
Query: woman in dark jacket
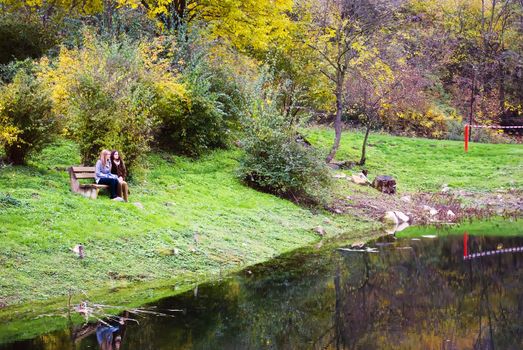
column 118, row 168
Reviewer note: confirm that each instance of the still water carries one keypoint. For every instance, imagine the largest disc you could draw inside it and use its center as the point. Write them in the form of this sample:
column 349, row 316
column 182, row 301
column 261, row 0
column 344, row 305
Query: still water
column 455, row 292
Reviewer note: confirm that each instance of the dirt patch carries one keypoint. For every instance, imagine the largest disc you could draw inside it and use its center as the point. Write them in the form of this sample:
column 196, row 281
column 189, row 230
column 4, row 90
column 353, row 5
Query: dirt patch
column 424, row 208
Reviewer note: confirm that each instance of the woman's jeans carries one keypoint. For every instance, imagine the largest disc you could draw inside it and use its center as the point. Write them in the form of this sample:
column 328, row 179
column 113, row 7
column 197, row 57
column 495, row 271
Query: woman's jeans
column 113, row 185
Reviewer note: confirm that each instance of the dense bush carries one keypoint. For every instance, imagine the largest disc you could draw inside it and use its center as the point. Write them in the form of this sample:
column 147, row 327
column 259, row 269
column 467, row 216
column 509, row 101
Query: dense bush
column 26, row 119
column 204, row 114
column 107, row 94
column 275, row 162
column 192, row 122
column 431, row 123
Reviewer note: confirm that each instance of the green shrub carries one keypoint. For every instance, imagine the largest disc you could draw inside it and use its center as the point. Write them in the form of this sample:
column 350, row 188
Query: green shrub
column 108, row 95
column 203, row 118
column 26, row 119
column 276, row 163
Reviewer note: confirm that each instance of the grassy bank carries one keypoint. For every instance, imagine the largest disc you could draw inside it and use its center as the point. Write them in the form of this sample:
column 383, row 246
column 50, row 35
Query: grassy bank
column 195, row 220
column 496, row 226
column 425, row 165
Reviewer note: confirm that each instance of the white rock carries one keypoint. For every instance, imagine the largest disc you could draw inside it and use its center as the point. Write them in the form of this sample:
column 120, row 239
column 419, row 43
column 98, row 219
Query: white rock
column 406, row 199
column 340, row 176
column 450, row 214
column 401, row 217
column 432, row 211
column 360, row 179
column 138, row 205
column 390, row 218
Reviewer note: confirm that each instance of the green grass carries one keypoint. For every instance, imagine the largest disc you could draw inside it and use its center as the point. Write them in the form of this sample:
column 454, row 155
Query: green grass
column 496, row 226
column 235, row 225
column 425, row 165
column 129, row 250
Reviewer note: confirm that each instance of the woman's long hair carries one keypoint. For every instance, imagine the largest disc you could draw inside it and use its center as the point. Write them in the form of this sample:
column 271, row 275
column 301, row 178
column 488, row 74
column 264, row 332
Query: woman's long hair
column 103, row 156
column 119, row 156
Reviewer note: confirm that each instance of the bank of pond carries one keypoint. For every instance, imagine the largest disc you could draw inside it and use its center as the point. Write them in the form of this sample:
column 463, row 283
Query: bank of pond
column 430, row 288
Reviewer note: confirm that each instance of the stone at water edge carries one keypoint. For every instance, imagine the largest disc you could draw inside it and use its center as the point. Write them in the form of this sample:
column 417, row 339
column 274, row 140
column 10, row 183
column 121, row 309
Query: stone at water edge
column 402, row 227
column 402, row 218
column 385, row 184
column 357, row 245
column 390, row 218
column 450, row 214
column 445, row 189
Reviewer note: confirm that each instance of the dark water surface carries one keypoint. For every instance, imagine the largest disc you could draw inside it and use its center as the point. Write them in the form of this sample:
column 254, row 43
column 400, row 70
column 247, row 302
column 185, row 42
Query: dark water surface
column 404, row 294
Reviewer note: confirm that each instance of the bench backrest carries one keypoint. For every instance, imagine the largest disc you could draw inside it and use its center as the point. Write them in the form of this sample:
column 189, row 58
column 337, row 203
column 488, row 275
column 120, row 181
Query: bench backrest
column 83, row 172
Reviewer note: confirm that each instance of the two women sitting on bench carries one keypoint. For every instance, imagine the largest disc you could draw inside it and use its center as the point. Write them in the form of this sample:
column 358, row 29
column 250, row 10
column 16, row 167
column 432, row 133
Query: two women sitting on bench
column 110, row 170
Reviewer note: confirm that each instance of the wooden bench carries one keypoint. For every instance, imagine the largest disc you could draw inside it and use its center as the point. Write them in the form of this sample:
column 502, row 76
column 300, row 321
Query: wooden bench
column 88, row 190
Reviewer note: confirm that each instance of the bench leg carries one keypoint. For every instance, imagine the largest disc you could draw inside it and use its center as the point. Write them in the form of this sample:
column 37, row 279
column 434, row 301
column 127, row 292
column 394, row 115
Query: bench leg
column 91, row 193
column 94, row 193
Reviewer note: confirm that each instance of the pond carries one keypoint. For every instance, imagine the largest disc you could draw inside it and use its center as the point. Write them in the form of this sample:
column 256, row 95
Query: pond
column 454, row 292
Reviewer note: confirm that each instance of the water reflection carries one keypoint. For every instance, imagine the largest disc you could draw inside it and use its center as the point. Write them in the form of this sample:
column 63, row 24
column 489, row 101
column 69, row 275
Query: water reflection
column 411, row 294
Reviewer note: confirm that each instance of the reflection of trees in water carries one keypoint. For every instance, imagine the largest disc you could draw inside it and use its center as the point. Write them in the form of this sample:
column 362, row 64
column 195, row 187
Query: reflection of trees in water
column 429, row 298
column 426, row 297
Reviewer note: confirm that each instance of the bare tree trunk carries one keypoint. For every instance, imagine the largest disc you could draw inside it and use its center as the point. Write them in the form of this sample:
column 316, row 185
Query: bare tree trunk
column 364, row 147
column 501, row 73
column 337, row 121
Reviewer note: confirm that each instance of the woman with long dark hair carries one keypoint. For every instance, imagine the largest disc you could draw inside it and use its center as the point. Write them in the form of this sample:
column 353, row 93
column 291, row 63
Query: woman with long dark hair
column 118, row 168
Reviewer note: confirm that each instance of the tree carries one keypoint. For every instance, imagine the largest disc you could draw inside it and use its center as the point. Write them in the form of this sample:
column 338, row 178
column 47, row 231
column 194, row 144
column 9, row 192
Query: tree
column 370, row 89
column 338, row 31
column 246, row 24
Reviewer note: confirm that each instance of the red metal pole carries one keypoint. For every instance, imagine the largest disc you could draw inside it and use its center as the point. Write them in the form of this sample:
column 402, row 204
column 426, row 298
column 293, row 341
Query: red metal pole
column 466, row 138
column 465, row 245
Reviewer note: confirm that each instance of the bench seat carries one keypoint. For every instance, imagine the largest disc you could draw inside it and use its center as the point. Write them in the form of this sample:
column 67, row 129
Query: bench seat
column 88, row 190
